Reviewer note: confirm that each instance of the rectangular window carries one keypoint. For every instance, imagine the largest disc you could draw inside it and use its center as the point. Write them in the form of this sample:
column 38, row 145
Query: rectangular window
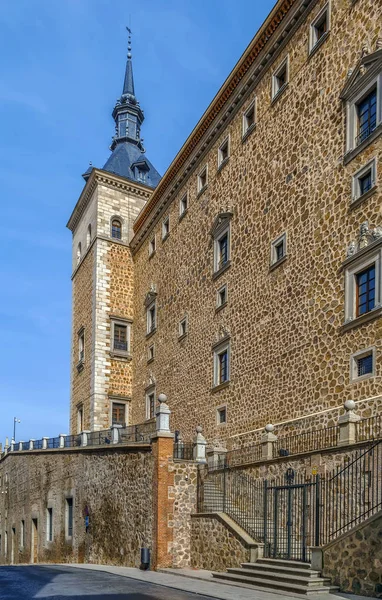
column 183, row 327
column 81, row 345
column 319, row 28
column 365, row 285
column 202, row 180
column 222, row 296
column 362, row 364
column 165, row 228
column 367, row 116
column 278, row 249
column 280, row 78
column 151, row 318
column 150, row 404
column 364, row 180
column 183, row 205
column 222, row 415
column 49, row 524
column 221, row 364
column 223, row 152
column 69, row 517
column 249, row 117
column 118, row 413
column 120, row 337
column 22, row 533
column 152, row 246
column 80, row 419
column 150, row 353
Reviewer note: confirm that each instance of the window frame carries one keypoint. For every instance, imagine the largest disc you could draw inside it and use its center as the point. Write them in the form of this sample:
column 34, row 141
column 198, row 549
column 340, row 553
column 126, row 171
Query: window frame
column 363, row 89
column 183, row 205
column 22, row 534
column 79, row 253
column 49, row 524
column 119, row 321
column 226, row 231
column 281, row 239
column 183, row 328
column 218, row 350
column 125, row 404
column 223, row 161
column 354, row 377
column 80, row 418
column 152, row 246
column 219, row 303
column 219, row 410
column 246, row 129
column 150, row 391
column 314, row 42
column 89, row 235
column 81, row 349
column 352, row 268
column 165, row 228
column 69, row 523
column 277, row 89
column 150, row 353
column 371, row 166
column 116, row 218
column 150, row 326
column 203, row 172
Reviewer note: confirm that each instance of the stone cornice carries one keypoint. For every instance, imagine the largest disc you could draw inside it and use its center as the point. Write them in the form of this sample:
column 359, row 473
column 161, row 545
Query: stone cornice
column 279, row 27
column 98, row 176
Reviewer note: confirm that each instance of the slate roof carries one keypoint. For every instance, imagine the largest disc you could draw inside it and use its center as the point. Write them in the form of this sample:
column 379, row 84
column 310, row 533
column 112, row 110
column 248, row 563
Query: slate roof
column 123, row 157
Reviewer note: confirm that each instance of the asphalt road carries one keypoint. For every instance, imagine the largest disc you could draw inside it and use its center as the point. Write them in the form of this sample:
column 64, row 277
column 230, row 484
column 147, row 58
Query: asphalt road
column 61, row 583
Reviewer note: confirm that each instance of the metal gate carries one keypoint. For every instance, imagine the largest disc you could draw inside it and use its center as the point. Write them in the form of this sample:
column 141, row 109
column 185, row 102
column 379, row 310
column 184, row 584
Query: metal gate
column 292, row 517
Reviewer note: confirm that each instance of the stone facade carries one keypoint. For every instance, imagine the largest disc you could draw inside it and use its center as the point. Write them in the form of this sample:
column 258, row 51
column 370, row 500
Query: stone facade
column 112, row 486
column 290, row 356
column 354, row 561
column 185, row 505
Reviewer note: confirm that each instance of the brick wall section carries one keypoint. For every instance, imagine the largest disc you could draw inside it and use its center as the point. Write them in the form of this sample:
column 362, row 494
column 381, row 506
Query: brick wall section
column 354, row 562
column 289, row 356
column 115, row 484
column 163, row 501
column 82, row 301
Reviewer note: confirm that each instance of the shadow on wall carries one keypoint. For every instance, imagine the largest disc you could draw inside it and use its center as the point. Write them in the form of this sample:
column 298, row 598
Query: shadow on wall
column 54, row 582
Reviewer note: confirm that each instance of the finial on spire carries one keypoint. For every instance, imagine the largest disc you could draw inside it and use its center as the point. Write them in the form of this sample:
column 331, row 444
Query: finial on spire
column 129, row 43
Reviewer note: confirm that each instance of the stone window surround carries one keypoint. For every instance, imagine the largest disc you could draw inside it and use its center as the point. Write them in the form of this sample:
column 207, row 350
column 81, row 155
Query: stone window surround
column 313, row 43
column 354, row 378
column 68, row 496
column 89, row 235
column 221, row 227
column 276, row 89
column 81, row 349
column 152, row 246
column 353, row 265
column 165, row 228
column 79, row 253
column 122, row 221
column 80, row 417
column 151, row 389
column 183, row 205
column 201, row 188
column 150, row 353
column 220, row 346
column 150, row 329
column 359, row 90
column 276, row 242
column 115, row 399
column 22, row 535
column 117, row 320
column 218, row 410
column 356, row 197
column 48, row 517
column 182, row 334
column 247, row 130
column 219, row 304
column 223, row 161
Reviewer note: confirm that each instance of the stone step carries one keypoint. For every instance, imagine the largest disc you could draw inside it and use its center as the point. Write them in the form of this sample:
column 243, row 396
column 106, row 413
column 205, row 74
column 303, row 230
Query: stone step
column 265, row 583
column 267, row 568
column 283, row 563
column 293, row 577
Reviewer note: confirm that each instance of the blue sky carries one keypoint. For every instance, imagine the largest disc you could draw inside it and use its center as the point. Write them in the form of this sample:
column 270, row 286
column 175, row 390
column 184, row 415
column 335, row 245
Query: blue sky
column 61, row 71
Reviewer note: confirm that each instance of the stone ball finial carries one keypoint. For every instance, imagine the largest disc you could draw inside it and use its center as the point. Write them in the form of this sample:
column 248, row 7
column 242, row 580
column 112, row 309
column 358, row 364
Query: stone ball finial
column 379, row 43
column 269, row 428
column 162, row 398
column 199, row 429
column 349, row 405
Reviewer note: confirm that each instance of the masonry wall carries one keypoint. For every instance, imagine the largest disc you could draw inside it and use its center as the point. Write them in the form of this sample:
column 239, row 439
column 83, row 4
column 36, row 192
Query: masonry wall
column 113, row 486
column 289, row 356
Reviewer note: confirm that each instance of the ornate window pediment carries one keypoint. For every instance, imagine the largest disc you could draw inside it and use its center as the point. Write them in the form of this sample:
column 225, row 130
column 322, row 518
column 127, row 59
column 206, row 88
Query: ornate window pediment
column 221, row 223
column 150, row 296
column 367, row 67
column 365, row 237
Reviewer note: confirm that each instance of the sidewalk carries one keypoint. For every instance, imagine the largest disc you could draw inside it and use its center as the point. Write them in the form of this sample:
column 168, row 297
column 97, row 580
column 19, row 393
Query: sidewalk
column 201, row 582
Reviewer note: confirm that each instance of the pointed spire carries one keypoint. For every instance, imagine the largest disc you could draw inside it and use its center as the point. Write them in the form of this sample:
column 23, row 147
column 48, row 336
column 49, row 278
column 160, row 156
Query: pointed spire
column 128, row 85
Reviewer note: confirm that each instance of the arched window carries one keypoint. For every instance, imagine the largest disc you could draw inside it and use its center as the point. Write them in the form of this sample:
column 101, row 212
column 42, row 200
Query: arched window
column 89, row 236
column 116, row 229
column 78, row 253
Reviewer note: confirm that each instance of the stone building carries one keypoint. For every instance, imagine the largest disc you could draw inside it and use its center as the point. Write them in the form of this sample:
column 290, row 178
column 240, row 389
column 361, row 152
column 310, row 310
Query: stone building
column 246, row 283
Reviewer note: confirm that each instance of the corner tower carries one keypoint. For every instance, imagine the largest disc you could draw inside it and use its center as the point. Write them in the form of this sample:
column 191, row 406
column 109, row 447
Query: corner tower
column 102, row 270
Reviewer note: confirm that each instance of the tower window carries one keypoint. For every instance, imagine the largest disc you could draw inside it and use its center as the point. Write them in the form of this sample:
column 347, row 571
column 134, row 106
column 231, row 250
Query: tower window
column 89, row 236
column 278, row 249
column 183, row 206
column 122, row 125
column 152, row 246
column 81, row 345
column 69, row 518
column 364, row 180
column 165, row 228
column 150, row 403
column 49, row 524
column 151, row 318
column 249, row 119
column 118, row 412
column 80, row 419
column 367, row 116
column 280, row 78
column 202, row 180
column 223, row 153
column 120, row 337
column 79, row 253
column 116, row 229
column 319, row 28
column 221, row 364
column 365, row 285
column 141, row 175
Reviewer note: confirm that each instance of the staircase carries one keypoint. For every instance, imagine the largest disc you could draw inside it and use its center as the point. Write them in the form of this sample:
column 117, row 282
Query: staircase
column 281, row 575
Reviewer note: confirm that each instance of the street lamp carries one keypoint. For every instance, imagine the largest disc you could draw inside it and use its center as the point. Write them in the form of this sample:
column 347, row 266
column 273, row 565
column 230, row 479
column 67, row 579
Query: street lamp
column 15, row 420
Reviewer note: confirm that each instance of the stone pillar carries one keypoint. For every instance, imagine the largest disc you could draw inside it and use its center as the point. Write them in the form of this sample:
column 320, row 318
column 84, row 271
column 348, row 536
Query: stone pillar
column 45, row 443
column 163, row 486
column 21, row 445
column 31, row 444
column 216, row 457
column 115, row 433
column 267, row 440
column 84, row 437
column 61, row 437
column 348, row 424
column 6, row 445
column 200, row 446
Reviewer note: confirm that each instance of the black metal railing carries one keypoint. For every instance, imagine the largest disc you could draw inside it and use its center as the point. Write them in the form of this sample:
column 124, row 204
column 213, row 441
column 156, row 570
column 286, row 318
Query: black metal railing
column 184, row 450
column 242, row 456
column 53, row 443
column 369, row 429
column 100, row 438
column 72, row 441
column 307, row 441
column 137, row 433
column 365, row 132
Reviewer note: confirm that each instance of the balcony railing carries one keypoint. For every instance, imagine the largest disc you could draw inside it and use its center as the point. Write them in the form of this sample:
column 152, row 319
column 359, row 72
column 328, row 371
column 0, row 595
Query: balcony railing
column 364, row 133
